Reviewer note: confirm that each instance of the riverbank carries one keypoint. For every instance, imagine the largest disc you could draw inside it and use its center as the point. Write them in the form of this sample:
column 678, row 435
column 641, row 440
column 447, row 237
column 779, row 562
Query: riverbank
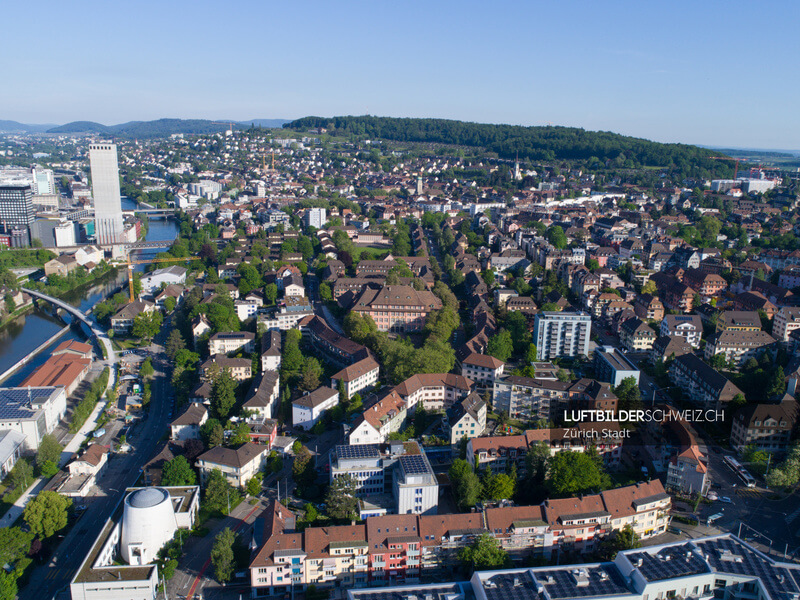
column 28, row 357
column 19, row 312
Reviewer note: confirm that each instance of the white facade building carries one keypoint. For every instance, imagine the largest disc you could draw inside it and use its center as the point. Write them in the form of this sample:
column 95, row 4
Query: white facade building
column 146, row 520
column 786, row 320
column 316, row 217
column 231, row 341
column 109, row 228
column 357, row 377
column 559, row 334
column 33, row 411
column 308, row 409
column 416, row 489
column 482, row 369
column 64, row 234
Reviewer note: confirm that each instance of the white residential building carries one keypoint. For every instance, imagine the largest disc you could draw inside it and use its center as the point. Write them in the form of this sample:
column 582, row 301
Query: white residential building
column 308, row 409
column 359, row 376
column 316, row 217
column 482, row 369
column 246, row 309
column 231, row 341
column 416, row 488
column 689, row 327
column 786, row 320
column 187, row 426
column 32, row 411
column 271, row 351
column 558, row 334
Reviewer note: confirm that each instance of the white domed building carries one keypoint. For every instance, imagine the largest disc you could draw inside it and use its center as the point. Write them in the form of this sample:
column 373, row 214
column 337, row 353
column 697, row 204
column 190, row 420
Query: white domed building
column 148, row 522
column 121, row 563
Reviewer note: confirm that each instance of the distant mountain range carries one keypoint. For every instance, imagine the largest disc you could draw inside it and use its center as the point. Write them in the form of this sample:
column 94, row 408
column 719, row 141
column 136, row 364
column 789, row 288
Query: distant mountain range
column 15, row 127
column 141, row 129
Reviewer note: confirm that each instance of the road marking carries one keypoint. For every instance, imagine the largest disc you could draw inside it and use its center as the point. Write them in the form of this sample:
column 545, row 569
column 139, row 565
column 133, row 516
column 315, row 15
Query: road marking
column 793, row 516
column 206, row 564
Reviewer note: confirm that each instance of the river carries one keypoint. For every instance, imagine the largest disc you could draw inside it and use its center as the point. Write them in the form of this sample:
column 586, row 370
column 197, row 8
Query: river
column 26, row 333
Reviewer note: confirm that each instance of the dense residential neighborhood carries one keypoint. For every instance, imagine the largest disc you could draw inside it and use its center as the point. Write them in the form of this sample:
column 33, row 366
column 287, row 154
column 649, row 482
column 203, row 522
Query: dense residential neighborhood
column 390, row 356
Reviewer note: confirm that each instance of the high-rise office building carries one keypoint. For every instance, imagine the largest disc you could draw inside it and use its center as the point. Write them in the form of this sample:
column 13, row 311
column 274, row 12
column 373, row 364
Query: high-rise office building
column 105, row 190
column 562, row 334
column 16, row 211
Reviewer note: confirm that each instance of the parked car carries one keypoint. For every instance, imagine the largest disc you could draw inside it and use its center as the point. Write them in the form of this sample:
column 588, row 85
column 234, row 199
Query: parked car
column 725, row 500
column 712, row 496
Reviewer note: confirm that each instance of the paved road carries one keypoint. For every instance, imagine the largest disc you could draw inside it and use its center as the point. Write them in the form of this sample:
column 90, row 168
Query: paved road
column 194, row 577
column 53, row 579
column 433, row 248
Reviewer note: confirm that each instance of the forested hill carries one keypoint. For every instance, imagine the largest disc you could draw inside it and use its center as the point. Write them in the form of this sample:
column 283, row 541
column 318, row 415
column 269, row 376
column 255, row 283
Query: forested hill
column 161, row 127
column 533, row 143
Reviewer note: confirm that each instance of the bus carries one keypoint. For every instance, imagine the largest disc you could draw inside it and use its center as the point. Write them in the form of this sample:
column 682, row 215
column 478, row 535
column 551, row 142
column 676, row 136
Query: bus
column 743, row 473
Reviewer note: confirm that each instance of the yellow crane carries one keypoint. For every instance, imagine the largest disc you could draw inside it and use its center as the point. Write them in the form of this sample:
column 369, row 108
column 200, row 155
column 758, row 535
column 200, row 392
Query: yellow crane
column 149, row 261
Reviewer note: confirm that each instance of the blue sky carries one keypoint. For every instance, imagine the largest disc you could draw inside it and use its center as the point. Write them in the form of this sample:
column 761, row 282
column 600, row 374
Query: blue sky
column 705, row 72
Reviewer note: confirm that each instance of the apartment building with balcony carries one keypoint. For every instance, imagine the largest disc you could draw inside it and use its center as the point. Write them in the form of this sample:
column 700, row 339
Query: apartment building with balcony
column 394, row 550
column 562, row 334
column 768, row 427
column 737, row 346
column 723, row 567
column 689, row 327
column 786, row 320
column 701, row 384
column 529, row 398
column 434, row 391
column 636, row 335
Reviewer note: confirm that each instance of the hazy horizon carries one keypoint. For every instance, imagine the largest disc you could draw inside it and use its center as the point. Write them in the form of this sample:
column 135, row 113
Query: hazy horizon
column 695, row 73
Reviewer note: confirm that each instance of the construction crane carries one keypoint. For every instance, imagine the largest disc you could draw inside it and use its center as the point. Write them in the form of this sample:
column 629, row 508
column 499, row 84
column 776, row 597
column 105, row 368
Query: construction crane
column 736, row 168
column 228, row 123
column 148, row 261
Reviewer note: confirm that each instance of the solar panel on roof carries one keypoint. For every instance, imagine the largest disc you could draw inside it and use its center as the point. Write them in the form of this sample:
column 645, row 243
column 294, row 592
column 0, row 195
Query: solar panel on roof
column 511, row 586
column 729, row 556
column 414, row 464
column 668, row 563
column 358, row 451
column 583, row 581
column 15, row 403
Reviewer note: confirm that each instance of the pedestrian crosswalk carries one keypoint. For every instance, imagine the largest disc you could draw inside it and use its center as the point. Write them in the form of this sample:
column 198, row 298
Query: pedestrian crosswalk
column 749, row 493
column 791, row 517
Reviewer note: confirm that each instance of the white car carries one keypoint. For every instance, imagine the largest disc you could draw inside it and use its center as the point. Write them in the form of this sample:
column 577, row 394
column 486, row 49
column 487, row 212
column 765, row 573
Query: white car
column 712, row 496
